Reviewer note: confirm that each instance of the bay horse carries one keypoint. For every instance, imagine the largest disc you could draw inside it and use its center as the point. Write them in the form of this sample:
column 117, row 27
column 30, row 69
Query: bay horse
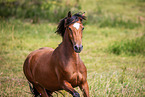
column 49, row 70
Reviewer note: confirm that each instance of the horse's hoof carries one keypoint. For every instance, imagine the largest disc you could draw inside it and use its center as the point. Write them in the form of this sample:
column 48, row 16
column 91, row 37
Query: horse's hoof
column 76, row 94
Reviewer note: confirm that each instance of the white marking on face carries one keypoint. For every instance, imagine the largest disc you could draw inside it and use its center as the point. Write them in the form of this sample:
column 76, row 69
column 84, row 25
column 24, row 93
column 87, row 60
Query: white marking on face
column 76, row 25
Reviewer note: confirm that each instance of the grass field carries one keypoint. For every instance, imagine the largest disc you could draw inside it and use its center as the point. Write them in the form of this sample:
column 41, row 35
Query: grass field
column 114, row 49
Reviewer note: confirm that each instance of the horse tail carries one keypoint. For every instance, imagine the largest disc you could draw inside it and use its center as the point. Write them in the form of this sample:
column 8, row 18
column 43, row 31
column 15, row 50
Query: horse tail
column 33, row 90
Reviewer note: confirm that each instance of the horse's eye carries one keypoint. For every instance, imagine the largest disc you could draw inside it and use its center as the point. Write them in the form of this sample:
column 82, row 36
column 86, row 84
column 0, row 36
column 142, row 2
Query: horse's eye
column 83, row 28
column 70, row 29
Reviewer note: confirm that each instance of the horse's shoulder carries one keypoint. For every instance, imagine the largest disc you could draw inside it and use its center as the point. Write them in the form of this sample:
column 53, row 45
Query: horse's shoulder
column 82, row 64
column 82, row 67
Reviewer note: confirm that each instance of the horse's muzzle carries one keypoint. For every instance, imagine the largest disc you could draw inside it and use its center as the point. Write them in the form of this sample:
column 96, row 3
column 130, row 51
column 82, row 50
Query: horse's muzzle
column 78, row 48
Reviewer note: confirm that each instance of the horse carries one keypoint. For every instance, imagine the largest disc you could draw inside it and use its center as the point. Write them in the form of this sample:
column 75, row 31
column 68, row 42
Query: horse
column 50, row 70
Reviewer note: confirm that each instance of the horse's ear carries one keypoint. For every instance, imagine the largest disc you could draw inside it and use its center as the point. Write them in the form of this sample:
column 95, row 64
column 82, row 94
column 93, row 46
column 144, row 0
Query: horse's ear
column 65, row 23
column 69, row 14
column 83, row 14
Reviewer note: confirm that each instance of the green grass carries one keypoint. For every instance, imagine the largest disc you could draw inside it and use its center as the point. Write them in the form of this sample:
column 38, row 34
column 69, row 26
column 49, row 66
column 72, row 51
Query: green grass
column 130, row 47
column 109, row 74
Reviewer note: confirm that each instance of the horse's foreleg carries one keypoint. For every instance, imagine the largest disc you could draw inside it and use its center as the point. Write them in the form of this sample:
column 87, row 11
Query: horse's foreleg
column 41, row 90
column 67, row 86
column 85, row 89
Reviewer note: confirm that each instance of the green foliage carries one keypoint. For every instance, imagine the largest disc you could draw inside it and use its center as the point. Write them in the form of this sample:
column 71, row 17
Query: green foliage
column 130, row 47
column 7, row 9
column 51, row 10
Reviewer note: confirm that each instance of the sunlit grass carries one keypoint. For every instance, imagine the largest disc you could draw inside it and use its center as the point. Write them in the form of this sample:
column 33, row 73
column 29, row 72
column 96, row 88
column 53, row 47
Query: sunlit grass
column 108, row 74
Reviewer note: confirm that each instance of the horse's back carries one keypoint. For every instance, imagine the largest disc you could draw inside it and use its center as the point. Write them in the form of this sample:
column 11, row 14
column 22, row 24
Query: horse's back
column 40, row 51
column 36, row 55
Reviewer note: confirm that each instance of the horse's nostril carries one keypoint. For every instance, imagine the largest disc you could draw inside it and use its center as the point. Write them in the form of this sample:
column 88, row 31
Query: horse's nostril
column 76, row 47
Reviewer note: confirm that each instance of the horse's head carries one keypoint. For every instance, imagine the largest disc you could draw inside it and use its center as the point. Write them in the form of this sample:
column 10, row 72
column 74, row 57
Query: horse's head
column 72, row 25
column 74, row 28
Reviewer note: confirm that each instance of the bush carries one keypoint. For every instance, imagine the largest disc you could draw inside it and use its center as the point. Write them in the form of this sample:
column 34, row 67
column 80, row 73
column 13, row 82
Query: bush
column 129, row 47
column 51, row 10
column 8, row 8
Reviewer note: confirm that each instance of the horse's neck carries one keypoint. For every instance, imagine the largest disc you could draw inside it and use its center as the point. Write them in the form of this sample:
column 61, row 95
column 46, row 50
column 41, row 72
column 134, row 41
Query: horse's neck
column 67, row 48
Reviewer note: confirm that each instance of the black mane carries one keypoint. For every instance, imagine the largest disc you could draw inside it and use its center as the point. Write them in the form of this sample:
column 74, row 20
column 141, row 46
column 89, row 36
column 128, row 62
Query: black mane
column 69, row 20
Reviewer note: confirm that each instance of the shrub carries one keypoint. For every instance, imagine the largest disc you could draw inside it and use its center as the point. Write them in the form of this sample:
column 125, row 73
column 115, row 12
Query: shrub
column 129, row 47
column 51, row 10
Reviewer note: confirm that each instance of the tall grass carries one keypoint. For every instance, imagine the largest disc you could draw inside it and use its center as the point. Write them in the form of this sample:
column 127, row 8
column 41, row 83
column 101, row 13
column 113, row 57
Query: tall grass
column 108, row 75
column 115, row 83
column 112, row 26
column 112, row 21
column 129, row 47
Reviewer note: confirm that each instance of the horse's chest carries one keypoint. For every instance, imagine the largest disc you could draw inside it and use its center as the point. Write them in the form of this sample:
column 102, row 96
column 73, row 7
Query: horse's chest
column 73, row 74
column 76, row 78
